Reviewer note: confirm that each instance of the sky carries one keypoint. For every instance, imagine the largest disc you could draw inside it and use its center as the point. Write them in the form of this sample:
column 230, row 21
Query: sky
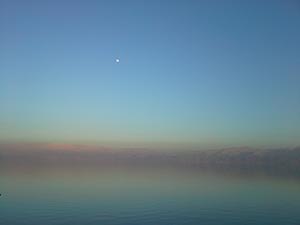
column 192, row 74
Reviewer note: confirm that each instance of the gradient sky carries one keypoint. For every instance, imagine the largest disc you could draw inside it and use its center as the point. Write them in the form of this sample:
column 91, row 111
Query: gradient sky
column 191, row 73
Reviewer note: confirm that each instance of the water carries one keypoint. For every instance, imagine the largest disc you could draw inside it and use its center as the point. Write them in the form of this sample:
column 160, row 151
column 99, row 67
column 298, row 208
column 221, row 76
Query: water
column 74, row 195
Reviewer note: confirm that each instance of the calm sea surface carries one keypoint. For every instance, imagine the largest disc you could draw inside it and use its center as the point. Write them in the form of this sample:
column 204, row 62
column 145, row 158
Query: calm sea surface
column 145, row 196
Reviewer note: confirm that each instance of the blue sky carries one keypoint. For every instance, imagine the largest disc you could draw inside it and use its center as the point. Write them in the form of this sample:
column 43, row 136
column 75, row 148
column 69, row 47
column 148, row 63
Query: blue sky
column 191, row 73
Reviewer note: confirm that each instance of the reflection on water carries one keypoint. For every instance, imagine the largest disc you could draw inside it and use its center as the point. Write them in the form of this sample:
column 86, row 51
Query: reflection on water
column 124, row 195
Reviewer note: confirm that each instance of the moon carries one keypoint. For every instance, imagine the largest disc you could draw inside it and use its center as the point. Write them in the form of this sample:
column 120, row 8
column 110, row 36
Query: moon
column 117, row 60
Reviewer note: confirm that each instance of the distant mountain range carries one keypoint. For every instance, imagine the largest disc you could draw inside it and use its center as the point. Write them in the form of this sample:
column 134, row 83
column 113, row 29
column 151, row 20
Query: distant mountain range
column 246, row 159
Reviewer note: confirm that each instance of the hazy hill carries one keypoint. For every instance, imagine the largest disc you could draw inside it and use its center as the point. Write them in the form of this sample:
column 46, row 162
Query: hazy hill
column 247, row 159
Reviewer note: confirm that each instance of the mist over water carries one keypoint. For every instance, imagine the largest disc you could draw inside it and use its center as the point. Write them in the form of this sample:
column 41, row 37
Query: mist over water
column 123, row 194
